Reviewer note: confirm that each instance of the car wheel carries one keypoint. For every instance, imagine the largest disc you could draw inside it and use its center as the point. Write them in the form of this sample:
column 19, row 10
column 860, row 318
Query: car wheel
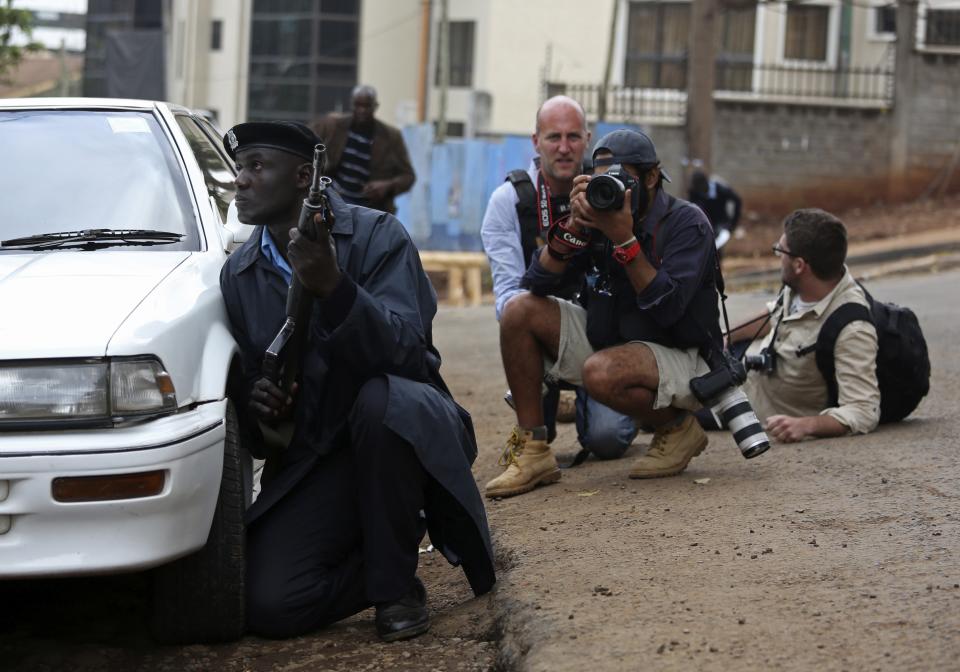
column 200, row 598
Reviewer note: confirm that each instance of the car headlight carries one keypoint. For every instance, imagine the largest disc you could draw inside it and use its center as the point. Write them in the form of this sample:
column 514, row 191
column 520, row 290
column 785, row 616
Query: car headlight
column 140, row 386
column 86, row 390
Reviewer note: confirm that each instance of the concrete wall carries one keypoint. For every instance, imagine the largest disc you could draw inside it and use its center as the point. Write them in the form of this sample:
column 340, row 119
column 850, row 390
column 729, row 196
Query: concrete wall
column 198, row 77
column 781, row 157
column 785, row 156
column 933, row 134
column 516, row 45
column 390, row 34
column 229, row 67
column 671, row 144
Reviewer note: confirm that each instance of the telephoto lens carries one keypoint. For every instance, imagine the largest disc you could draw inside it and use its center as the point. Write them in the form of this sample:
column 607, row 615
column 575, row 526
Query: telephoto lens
column 720, row 391
column 734, row 410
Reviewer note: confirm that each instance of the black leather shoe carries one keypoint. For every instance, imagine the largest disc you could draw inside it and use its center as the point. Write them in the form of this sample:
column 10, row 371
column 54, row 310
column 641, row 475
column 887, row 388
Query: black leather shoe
column 404, row 618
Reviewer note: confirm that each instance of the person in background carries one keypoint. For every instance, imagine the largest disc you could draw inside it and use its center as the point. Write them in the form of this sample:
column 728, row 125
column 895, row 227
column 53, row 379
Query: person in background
column 514, row 227
column 719, row 202
column 633, row 340
column 366, row 158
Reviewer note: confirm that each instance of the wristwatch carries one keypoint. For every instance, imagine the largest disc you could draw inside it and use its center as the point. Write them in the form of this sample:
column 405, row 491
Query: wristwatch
column 625, row 252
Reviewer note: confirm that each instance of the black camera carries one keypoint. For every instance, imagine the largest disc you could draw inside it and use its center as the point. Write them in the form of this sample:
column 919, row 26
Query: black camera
column 719, row 390
column 606, row 191
column 765, row 362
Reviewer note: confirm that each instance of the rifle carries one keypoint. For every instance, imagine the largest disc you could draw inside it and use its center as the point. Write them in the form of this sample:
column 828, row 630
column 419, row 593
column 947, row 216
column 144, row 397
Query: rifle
column 281, row 361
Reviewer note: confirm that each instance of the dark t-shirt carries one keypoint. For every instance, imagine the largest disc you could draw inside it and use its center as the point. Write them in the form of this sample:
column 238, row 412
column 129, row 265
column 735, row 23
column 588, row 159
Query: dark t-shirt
column 354, row 170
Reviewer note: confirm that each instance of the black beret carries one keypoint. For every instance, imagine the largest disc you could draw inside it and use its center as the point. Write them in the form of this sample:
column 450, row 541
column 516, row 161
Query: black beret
column 627, row 146
column 287, row 136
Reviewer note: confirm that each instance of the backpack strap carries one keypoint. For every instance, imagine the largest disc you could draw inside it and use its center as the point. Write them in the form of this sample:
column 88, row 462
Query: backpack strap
column 526, row 211
column 827, row 341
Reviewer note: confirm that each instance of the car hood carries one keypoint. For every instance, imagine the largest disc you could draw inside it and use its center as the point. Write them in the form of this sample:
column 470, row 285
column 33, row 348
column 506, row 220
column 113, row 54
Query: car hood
column 68, row 303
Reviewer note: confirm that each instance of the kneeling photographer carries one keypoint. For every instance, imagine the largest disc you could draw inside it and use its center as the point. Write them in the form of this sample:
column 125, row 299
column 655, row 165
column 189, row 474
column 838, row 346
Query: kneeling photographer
column 634, row 339
column 788, row 390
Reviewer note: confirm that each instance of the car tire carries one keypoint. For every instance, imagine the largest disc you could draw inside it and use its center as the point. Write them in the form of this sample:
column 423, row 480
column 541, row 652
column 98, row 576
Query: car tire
column 201, row 597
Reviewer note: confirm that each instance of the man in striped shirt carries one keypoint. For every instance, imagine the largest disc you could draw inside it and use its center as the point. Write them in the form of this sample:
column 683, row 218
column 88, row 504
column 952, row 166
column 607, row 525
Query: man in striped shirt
column 367, row 158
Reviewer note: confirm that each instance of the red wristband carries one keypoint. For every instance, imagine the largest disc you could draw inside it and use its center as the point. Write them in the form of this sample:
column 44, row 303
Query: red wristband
column 625, row 253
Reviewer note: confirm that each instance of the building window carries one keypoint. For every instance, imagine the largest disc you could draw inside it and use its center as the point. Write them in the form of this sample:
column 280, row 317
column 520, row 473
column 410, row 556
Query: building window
column 735, row 60
column 806, row 37
column 657, row 45
column 216, row 35
column 943, row 28
column 303, row 60
column 461, row 54
column 885, row 20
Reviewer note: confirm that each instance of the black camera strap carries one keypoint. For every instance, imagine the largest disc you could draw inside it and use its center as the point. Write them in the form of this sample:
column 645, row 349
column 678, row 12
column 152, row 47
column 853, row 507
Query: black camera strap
column 722, row 289
column 545, row 205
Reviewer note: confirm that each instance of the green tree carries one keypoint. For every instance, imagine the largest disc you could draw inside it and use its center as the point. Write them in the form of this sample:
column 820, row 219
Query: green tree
column 14, row 21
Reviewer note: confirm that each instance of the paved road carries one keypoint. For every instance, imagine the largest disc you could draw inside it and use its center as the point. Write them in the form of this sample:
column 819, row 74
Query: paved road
column 827, row 555
column 831, row 555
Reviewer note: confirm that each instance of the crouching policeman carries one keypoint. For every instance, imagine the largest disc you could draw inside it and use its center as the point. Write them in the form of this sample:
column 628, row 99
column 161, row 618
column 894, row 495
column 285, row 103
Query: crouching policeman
column 376, row 437
column 633, row 339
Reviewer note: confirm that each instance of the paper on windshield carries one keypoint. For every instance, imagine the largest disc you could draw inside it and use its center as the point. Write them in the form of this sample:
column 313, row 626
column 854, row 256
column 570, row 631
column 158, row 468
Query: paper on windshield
column 128, row 124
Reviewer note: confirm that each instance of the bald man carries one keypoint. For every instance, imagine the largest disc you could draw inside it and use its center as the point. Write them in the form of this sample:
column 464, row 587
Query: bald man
column 514, row 226
column 366, row 158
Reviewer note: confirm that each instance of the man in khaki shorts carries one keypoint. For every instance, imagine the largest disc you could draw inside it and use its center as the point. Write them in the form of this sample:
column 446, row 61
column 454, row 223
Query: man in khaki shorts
column 633, row 339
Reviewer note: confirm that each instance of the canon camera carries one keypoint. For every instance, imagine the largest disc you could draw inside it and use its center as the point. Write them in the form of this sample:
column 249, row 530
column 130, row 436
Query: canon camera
column 720, row 391
column 606, row 191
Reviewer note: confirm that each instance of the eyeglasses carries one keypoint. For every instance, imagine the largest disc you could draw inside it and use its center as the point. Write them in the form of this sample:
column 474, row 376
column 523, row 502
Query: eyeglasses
column 779, row 251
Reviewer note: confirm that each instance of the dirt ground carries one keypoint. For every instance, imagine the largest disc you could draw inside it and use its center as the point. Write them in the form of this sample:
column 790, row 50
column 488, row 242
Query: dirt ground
column 754, row 236
column 831, row 555
column 836, row 555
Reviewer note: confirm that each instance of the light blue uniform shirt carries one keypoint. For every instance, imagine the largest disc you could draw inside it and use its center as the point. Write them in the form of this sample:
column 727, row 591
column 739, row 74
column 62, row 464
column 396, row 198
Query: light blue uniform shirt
column 272, row 253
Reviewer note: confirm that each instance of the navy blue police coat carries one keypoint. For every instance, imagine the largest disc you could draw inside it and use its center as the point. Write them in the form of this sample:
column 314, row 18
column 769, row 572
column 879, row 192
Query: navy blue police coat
column 378, row 321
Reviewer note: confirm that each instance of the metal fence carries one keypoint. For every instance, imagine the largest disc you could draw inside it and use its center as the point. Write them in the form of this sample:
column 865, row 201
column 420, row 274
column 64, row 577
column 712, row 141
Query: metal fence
column 866, row 86
column 849, row 87
column 625, row 104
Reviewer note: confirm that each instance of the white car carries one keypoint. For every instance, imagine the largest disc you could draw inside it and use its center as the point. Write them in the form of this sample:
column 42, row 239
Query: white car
column 119, row 449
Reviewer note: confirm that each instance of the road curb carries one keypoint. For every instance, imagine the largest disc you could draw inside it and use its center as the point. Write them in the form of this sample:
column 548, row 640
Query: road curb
column 865, row 267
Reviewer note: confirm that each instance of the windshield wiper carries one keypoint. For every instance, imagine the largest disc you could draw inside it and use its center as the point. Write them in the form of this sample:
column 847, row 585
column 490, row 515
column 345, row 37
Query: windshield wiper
column 92, row 239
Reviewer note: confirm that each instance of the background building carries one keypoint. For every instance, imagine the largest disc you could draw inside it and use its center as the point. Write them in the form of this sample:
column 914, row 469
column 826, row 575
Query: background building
column 246, row 60
column 124, row 49
column 207, row 61
column 828, row 102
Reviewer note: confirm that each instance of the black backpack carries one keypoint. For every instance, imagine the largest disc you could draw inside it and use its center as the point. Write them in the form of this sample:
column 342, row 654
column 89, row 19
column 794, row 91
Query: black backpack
column 903, row 365
column 530, row 238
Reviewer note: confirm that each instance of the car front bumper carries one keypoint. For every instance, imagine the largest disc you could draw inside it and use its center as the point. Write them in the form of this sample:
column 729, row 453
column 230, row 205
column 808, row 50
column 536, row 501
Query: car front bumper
column 40, row 536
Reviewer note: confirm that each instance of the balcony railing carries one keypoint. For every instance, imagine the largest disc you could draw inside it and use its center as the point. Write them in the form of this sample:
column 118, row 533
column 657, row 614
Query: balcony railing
column 625, row 104
column 867, row 87
column 799, row 84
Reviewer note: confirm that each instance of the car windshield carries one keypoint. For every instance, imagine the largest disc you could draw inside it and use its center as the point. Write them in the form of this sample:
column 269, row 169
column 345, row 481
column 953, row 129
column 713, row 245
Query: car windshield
column 77, row 170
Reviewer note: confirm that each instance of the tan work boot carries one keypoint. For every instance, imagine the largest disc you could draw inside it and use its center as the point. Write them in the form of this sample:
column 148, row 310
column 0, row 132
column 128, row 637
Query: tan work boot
column 671, row 450
column 529, row 463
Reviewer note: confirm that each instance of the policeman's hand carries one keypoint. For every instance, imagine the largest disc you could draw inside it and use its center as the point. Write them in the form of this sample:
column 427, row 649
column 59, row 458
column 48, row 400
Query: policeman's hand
column 268, row 402
column 314, row 261
column 376, row 190
column 787, row 429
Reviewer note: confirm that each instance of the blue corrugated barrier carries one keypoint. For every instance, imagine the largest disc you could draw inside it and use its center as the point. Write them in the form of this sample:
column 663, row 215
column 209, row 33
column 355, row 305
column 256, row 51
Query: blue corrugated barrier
column 444, row 209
